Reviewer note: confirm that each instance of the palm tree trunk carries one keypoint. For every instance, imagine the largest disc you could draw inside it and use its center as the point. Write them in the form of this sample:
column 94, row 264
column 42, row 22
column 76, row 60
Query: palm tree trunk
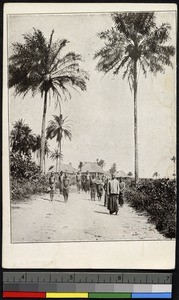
column 44, row 165
column 56, row 164
column 136, row 165
column 60, row 149
column 42, row 150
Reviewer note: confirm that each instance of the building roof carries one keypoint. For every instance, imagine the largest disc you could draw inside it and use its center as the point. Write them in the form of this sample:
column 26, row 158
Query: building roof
column 66, row 168
column 92, row 167
column 121, row 173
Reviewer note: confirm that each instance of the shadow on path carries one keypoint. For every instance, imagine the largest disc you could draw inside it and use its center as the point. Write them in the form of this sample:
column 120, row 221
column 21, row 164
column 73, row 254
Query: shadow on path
column 46, row 199
column 101, row 212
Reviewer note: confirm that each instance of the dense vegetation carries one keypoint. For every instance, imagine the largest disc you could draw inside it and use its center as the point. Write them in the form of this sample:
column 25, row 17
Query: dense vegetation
column 158, row 198
column 26, row 178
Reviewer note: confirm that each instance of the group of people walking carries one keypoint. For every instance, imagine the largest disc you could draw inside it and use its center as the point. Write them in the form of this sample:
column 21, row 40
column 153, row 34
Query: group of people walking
column 113, row 189
column 64, row 185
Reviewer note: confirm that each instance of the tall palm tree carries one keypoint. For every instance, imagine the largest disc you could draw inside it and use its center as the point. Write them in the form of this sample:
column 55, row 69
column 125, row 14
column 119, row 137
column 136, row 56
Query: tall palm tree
column 59, row 128
column 80, row 166
column 37, row 146
column 21, row 138
column 37, row 65
column 46, row 154
column 56, row 155
column 135, row 42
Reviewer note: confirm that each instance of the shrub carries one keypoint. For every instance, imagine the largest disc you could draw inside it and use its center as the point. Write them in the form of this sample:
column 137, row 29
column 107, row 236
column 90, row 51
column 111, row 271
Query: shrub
column 23, row 167
column 158, row 199
column 26, row 178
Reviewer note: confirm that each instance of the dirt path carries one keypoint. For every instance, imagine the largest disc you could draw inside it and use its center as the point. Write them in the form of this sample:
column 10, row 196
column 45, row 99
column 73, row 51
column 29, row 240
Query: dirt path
column 80, row 219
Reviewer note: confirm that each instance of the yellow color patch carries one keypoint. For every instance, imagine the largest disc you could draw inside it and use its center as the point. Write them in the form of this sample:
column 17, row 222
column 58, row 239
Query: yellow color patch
column 66, row 295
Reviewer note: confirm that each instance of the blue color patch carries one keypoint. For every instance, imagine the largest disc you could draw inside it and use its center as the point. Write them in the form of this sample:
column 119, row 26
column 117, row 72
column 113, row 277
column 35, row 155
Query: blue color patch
column 151, row 295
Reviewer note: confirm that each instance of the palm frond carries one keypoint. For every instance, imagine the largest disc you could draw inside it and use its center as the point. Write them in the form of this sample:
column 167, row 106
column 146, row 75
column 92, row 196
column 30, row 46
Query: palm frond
column 135, row 37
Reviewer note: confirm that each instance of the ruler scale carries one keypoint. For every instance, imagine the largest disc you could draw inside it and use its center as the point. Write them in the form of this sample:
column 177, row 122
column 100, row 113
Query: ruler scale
column 87, row 285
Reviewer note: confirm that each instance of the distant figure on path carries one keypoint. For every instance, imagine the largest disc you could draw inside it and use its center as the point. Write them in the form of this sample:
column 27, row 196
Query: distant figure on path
column 87, row 182
column 113, row 205
column 99, row 189
column 106, row 189
column 66, row 185
column 61, row 182
column 83, row 184
column 52, row 181
column 122, row 187
column 93, row 188
column 78, row 181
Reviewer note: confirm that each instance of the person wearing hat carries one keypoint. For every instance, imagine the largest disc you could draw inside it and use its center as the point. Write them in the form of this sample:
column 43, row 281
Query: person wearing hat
column 113, row 205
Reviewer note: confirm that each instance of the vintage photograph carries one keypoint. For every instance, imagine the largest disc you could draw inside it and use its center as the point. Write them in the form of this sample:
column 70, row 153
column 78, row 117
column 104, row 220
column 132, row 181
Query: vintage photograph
column 92, row 126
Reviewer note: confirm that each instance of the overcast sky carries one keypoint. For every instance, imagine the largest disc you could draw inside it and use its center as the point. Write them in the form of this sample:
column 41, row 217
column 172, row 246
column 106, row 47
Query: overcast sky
column 102, row 117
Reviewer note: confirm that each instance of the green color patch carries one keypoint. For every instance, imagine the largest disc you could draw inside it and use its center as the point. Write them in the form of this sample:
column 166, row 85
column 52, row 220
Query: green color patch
column 110, row 295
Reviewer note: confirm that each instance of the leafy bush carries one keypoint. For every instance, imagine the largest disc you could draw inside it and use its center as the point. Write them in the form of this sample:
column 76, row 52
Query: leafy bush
column 24, row 188
column 23, row 167
column 26, row 178
column 158, row 199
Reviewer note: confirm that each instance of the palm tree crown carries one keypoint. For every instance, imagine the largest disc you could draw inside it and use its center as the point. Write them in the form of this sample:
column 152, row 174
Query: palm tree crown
column 135, row 36
column 56, row 155
column 59, row 128
column 135, row 42
column 21, row 138
column 38, row 66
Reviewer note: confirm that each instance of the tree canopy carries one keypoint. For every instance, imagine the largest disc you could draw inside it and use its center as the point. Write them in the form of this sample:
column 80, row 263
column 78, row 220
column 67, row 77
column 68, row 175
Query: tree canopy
column 135, row 36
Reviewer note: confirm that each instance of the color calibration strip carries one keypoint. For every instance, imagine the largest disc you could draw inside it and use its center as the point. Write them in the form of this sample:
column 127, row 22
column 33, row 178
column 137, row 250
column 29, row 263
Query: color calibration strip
column 87, row 285
column 88, row 295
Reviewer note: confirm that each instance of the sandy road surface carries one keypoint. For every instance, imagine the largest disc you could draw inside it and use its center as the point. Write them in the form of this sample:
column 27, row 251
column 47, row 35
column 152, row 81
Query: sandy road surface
column 39, row 220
